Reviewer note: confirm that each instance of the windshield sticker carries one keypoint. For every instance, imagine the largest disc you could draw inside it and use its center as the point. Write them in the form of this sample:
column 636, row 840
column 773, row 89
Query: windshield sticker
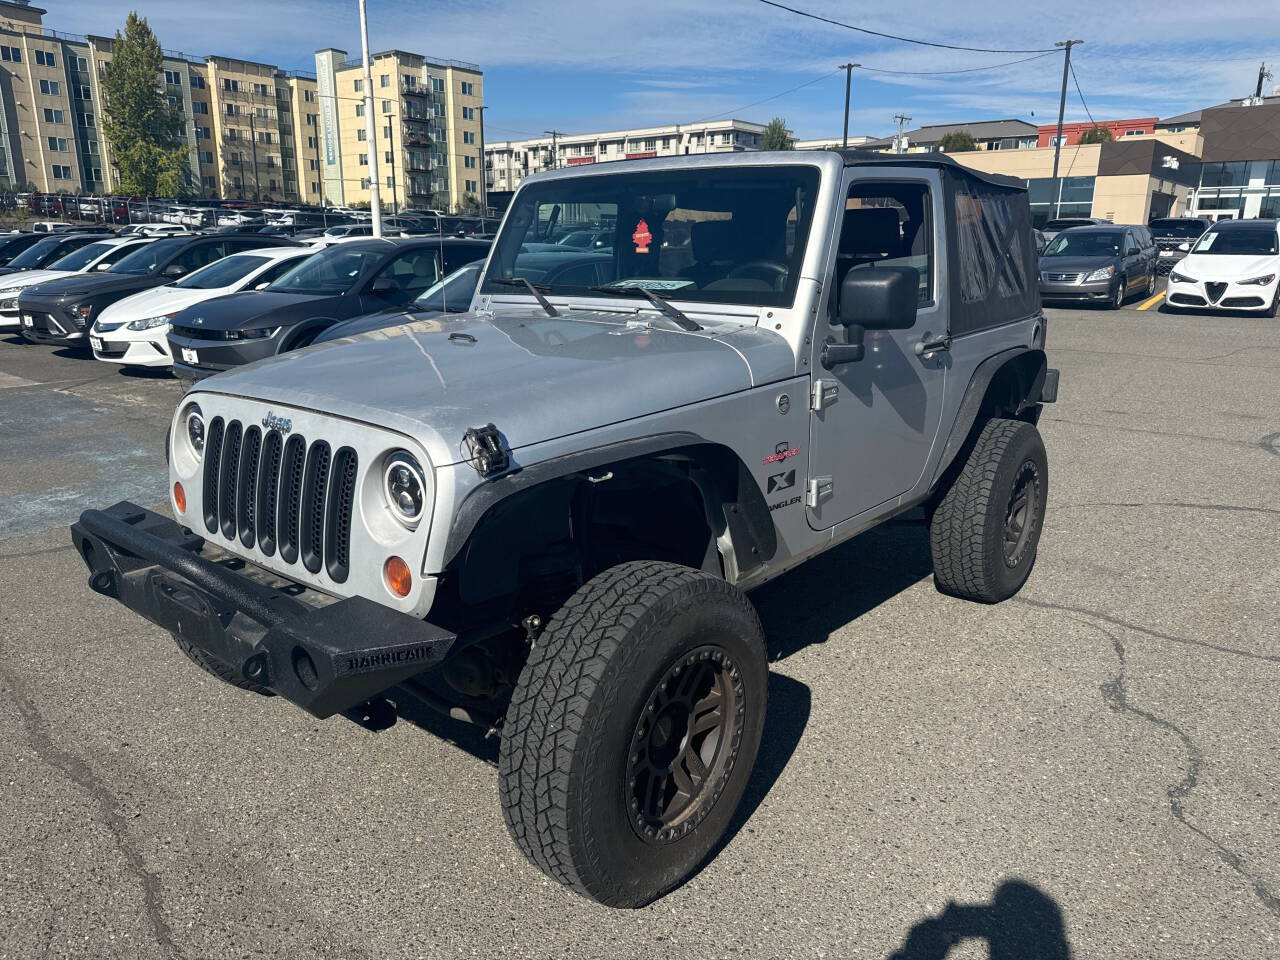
column 642, row 237
column 1206, row 242
column 649, row 284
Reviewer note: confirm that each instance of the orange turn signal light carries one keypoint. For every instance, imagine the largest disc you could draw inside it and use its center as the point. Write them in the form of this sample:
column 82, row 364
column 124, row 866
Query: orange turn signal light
column 399, row 580
column 180, row 497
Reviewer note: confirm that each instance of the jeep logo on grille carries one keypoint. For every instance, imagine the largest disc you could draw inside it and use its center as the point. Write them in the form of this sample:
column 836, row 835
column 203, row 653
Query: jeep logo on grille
column 272, row 422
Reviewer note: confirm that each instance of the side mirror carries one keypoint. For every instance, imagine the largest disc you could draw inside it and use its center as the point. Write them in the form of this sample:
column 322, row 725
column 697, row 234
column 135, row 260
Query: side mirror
column 874, row 298
column 1132, row 252
column 175, row 270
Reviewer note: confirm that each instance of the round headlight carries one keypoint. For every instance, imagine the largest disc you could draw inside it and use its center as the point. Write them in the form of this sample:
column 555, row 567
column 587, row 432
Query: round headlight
column 195, row 430
column 405, row 486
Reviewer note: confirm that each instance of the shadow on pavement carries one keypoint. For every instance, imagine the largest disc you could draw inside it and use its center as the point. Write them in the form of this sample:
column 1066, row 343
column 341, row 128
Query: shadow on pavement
column 1021, row 922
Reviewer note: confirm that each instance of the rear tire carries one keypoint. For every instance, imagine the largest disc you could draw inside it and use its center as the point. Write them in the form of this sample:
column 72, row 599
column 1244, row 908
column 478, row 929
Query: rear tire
column 633, row 730
column 986, row 527
column 223, row 671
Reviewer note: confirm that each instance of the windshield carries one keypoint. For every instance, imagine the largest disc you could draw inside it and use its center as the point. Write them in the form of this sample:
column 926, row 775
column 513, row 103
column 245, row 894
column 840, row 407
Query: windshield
column 1182, row 229
column 715, row 235
column 1086, row 245
column 222, row 273
column 331, row 271
column 40, row 253
column 146, row 258
column 452, row 294
column 1242, row 241
column 82, row 257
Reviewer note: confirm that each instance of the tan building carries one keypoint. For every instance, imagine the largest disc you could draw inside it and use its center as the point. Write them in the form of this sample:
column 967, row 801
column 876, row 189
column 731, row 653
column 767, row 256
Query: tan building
column 427, row 131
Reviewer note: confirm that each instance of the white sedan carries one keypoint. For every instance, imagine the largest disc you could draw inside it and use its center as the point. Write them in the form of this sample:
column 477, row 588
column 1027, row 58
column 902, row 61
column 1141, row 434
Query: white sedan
column 133, row 331
column 99, row 255
column 1235, row 265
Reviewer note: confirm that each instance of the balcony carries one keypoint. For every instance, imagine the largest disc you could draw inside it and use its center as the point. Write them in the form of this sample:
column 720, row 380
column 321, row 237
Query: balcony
column 414, row 90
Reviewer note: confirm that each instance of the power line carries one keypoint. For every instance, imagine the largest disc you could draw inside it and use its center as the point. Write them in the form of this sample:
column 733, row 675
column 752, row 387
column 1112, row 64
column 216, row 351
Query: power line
column 940, row 73
column 1081, row 93
column 891, row 36
column 756, row 103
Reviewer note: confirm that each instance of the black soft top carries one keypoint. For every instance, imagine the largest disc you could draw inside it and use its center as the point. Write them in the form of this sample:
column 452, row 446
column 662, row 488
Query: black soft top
column 859, row 158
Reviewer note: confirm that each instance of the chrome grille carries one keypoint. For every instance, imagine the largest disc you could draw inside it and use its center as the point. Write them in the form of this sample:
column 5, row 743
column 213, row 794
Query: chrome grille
column 281, row 494
column 1063, row 277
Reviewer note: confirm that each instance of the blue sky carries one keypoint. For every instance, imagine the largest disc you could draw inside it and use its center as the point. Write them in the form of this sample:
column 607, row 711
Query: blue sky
column 582, row 65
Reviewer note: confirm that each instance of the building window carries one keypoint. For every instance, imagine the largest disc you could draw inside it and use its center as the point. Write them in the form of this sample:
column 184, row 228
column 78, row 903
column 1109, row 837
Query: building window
column 260, row 89
column 359, row 109
column 93, row 147
column 357, row 85
column 173, row 101
column 386, row 131
column 231, row 85
column 388, row 156
column 172, row 77
column 82, row 65
column 202, row 133
column 53, row 116
column 469, row 186
column 51, row 87
column 197, row 82
column 45, row 59
column 386, row 106
column 95, row 174
column 58, row 144
column 199, row 106
column 311, row 163
column 468, row 136
column 437, row 85
column 364, row 160
column 11, row 53
column 232, row 109
column 384, row 80
column 364, row 183
column 468, row 89
column 233, row 134
column 206, row 156
column 468, row 113
column 83, row 92
column 311, row 143
column 469, row 162
column 1134, row 133
column 88, row 119
column 61, row 172
column 362, row 134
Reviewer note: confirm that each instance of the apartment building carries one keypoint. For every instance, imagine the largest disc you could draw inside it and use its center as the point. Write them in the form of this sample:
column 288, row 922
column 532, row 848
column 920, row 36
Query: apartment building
column 507, row 162
column 1008, row 134
column 427, row 132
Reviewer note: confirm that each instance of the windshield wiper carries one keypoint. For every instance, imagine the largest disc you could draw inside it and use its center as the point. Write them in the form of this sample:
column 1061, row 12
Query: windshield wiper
column 534, row 290
column 664, row 306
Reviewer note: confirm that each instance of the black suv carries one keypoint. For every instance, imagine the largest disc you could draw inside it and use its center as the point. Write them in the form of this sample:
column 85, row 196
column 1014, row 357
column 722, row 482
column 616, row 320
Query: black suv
column 1174, row 236
column 46, row 250
column 1098, row 264
column 60, row 311
column 12, row 244
column 340, row 282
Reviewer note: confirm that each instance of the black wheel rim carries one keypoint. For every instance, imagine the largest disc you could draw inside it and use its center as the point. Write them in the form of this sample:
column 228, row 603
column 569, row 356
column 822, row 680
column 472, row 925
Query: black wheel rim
column 1023, row 513
column 684, row 745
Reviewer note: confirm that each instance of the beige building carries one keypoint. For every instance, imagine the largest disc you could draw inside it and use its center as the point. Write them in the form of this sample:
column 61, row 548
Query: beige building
column 427, row 133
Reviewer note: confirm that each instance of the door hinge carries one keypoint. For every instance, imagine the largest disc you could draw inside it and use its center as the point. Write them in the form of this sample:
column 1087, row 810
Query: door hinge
column 820, row 488
column 825, row 393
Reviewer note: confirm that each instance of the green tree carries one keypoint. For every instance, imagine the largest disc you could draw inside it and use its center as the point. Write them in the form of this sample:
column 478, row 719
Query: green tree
column 1096, row 134
column 469, row 204
column 958, row 141
column 776, row 136
column 143, row 130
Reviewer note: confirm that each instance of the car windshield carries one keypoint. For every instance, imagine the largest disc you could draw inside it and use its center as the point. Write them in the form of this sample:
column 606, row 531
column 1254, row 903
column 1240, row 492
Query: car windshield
column 1241, row 241
column 329, row 272
column 83, row 257
column 1182, row 229
column 1086, row 244
column 451, row 294
column 222, row 273
column 146, row 258
column 715, row 235
column 39, row 253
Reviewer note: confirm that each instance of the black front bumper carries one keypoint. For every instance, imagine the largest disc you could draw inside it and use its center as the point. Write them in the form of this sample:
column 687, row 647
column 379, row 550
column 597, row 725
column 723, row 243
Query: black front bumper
column 213, row 356
column 325, row 659
column 47, row 322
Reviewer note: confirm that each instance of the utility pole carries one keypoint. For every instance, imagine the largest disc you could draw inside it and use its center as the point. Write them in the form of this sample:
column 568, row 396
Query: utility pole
column 897, row 144
column 391, row 142
column 375, row 204
column 1062, row 105
column 484, row 170
column 1263, row 76
column 324, row 208
column 848, row 82
column 253, row 139
column 555, row 154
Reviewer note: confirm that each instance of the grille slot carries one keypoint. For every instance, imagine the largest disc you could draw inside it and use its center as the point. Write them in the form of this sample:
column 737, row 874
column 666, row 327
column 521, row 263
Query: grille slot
column 269, row 491
column 227, row 477
column 311, row 541
column 282, row 494
column 247, row 485
column 342, row 492
column 212, row 460
column 295, row 453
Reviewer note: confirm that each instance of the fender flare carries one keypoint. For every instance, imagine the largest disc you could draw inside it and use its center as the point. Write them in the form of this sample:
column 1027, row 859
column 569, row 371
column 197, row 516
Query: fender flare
column 1031, row 367
column 732, row 498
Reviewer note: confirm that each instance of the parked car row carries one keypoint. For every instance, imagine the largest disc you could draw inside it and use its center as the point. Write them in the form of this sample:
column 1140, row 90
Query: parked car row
column 202, row 303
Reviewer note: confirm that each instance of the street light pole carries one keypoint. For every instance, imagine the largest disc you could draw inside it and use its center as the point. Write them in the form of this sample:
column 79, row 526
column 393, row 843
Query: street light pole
column 848, row 82
column 324, row 208
column 1062, row 106
column 391, row 142
column 371, row 127
column 253, row 140
column 484, row 169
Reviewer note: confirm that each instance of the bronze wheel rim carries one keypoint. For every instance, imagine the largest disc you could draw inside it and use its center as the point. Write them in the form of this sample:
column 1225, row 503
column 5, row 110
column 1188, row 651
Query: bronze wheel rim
column 1022, row 514
column 684, row 745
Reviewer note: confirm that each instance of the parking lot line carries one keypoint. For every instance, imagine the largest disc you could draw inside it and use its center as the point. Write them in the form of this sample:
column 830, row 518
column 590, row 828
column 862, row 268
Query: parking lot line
column 1148, row 304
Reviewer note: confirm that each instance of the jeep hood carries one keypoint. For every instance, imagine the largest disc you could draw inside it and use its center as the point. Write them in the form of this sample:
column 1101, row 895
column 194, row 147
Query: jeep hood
column 535, row 377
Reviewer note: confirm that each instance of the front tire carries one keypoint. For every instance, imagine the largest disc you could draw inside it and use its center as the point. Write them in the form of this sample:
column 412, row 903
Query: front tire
column 633, row 730
column 1117, row 299
column 986, row 528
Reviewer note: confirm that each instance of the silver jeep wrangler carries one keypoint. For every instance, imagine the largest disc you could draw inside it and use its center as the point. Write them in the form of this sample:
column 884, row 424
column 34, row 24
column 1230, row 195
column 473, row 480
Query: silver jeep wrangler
column 544, row 516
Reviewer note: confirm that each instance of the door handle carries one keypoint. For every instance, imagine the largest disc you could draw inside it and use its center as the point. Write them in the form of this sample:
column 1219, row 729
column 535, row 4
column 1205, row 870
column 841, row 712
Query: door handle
column 930, row 344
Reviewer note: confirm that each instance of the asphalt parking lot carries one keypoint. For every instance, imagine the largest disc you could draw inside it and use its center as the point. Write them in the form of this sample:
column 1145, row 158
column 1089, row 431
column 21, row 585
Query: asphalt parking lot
column 1088, row 770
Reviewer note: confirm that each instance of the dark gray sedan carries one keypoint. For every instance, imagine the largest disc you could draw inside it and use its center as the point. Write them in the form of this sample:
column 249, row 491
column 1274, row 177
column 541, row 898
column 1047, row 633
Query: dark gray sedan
column 1098, row 264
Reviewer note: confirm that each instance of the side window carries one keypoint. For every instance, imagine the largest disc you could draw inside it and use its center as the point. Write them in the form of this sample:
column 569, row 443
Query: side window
column 460, row 255
column 887, row 223
column 119, row 253
column 200, row 255
column 410, row 274
column 579, row 275
column 274, row 272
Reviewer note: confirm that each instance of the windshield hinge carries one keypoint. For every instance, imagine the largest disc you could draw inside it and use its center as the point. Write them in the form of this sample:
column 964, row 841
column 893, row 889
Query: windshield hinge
column 825, row 393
